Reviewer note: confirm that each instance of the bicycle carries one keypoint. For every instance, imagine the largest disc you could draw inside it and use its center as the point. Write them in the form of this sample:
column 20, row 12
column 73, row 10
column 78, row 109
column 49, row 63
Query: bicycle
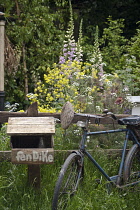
column 72, row 170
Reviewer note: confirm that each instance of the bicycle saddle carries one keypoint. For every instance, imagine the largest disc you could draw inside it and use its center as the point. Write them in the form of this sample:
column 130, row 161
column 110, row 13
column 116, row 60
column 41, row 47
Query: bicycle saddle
column 134, row 120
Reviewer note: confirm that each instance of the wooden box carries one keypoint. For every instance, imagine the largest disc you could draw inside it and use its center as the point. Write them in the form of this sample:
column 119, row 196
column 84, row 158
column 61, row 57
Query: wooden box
column 31, row 139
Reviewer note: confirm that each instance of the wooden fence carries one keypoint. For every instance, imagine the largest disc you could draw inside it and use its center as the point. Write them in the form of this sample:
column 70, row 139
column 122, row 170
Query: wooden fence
column 32, row 111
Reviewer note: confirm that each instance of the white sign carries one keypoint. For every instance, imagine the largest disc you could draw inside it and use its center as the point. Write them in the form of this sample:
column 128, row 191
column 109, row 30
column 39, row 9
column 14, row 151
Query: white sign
column 43, row 156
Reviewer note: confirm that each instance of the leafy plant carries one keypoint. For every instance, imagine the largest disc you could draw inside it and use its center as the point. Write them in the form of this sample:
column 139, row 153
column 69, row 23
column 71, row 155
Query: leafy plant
column 36, row 35
column 85, row 85
column 113, row 45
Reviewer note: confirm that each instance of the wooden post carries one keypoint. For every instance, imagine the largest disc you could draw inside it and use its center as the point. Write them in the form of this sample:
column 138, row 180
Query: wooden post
column 25, row 72
column 2, row 29
column 34, row 177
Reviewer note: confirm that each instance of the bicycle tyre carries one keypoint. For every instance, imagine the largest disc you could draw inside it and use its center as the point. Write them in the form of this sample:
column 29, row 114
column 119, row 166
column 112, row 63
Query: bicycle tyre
column 132, row 165
column 68, row 180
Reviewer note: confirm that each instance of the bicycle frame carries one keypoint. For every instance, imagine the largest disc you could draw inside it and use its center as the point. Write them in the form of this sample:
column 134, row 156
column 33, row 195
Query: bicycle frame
column 84, row 151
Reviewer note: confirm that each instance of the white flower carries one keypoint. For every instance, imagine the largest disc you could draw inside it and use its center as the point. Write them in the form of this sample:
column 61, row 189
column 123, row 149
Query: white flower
column 75, row 84
column 88, row 89
column 98, row 108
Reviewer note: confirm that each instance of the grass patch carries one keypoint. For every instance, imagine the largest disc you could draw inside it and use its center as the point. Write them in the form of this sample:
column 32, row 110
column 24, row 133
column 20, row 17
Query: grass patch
column 15, row 194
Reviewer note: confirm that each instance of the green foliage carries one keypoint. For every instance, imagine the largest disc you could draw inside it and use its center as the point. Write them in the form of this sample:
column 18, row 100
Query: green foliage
column 122, row 56
column 132, row 70
column 15, row 193
column 113, row 45
column 66, row 82
column 36, row 33
column 94, row 56
column 36, row 29
column 71, row 50
column 133, row 63
column 83, row 84
column 4, row 139
column 134, row 47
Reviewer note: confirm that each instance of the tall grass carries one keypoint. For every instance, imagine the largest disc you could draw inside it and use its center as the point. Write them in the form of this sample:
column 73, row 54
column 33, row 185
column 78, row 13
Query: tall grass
column 16, row 194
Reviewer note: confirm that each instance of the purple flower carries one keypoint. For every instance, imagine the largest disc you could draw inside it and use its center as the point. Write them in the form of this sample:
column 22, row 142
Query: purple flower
column 62, row 60
column 101, row 72
column 73, row 49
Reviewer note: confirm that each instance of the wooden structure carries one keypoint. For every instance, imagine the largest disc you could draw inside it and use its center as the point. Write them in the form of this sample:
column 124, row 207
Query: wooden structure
column 2, row 31
column 31, row 139
column 4, row 115
column 32, row 142
column 35, row 130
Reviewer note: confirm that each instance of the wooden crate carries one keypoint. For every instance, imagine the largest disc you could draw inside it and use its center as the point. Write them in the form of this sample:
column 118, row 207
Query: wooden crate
column 31, row 139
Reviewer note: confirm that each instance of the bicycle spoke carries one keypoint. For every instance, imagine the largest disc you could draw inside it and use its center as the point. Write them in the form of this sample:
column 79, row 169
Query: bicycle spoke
column 68, row 181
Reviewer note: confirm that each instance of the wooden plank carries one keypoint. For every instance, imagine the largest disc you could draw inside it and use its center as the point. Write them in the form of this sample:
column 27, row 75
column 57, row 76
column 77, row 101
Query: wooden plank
column 34, row 173
column 31, row 120
column 106, row 120
column 30, row 130
column 6, row 155
column 31, row 126
column 32, row 110
column 4, row 115
column 34, row 176
column 32, row 156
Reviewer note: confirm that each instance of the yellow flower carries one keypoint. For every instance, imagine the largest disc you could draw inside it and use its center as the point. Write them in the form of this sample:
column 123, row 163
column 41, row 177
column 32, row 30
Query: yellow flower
column 116, row 75
column 93, row 89
column 106, row 80
column 51, row 98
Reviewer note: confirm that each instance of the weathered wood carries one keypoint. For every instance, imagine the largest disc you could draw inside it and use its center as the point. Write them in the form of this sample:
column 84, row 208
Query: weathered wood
column 4, row 115
column 31, row 126
column 2, row 32
column 32, row 111
column 28, row 130
column 34, row 176
column 6, row 155
column 31, row 121
column 32, row 156
column 67, row 115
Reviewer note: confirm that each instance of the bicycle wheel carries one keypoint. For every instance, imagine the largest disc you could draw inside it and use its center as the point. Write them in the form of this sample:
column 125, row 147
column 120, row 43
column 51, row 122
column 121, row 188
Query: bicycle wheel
column 67, row 183
column 132, row 166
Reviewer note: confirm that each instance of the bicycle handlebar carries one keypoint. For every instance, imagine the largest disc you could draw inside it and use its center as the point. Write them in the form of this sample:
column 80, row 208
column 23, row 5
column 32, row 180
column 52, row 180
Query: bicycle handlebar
column 88, row 115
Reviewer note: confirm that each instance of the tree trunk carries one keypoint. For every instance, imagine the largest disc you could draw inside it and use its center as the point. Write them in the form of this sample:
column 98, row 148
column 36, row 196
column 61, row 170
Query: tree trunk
column 25, row 73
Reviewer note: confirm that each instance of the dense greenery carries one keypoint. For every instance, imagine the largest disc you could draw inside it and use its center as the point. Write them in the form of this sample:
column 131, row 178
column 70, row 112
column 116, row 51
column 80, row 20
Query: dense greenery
column 36, row 33
column 40, row 30
column 88, row 53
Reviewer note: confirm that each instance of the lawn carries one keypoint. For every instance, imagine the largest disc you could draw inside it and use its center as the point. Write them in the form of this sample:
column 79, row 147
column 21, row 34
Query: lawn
column 16, row 194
